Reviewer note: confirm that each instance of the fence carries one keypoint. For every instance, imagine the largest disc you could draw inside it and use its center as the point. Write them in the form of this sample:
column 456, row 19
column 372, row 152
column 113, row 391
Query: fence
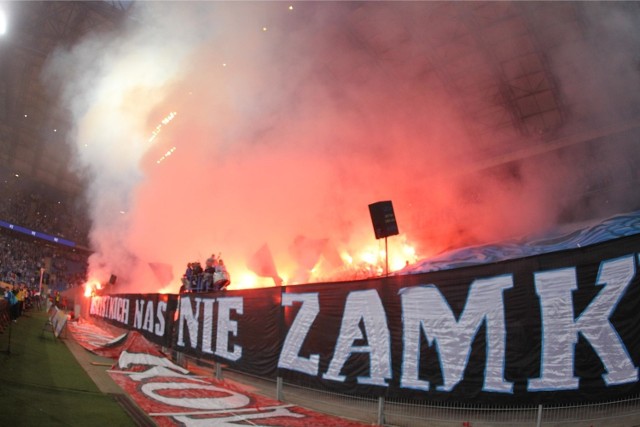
column 380, row 411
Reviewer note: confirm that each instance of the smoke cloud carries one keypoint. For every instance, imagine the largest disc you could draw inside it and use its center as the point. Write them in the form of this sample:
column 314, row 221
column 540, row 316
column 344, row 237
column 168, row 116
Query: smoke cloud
column 216, row 128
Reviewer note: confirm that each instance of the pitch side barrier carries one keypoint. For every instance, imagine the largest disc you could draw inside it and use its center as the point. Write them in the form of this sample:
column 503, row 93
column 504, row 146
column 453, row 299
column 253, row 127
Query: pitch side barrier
column 556, row 328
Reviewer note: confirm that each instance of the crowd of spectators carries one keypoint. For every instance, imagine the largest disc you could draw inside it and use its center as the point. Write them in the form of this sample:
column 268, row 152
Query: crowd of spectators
column 27, row 262
column 43, row 208
column 214, row 277
column 31, row 268
column 23, row 257
column 20, row 298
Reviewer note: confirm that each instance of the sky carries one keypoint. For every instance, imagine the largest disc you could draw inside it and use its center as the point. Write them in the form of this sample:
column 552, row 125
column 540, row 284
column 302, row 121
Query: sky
column 261, row 132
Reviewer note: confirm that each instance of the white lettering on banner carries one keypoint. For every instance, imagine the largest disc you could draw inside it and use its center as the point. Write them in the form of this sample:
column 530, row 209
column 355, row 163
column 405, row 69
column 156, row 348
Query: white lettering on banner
column 113, row 308
column 161, row 371
column 229, row 400
column 290, row 355
column 227, row 326
column 224, row 327
column 139, row 314
column 127, row 359
column 424, row 308
column 560, row 330
column 207, row 325
column 161, row 312
column 191, row 319
column 102, row 306
column 220, row 407
column 148, row 317
column 367, row 307
column 238, row 419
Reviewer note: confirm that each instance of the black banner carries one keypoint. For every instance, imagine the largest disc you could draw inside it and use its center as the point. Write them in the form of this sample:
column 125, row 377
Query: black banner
column 152, row 315
column 242, row 329
column 554, row 328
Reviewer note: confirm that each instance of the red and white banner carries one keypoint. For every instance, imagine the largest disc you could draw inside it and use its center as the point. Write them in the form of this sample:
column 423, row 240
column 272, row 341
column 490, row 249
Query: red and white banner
column 173, row 396
column 96, row 339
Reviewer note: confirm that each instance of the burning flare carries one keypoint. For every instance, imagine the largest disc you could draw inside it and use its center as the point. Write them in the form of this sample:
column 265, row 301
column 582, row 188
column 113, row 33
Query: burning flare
column 91, row 287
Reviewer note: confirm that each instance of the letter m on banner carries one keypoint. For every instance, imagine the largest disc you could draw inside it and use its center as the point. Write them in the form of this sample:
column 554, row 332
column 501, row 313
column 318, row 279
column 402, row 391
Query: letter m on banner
column 424, row 309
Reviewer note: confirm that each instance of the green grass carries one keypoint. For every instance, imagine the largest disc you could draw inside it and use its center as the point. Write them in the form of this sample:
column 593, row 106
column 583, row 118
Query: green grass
column 42, row 384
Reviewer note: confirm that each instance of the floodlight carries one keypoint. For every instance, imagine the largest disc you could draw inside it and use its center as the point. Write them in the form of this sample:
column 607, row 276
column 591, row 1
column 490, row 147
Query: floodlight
column 3, row 22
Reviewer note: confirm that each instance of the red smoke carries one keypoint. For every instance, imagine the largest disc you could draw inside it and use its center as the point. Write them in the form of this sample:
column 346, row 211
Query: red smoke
column 228, row 128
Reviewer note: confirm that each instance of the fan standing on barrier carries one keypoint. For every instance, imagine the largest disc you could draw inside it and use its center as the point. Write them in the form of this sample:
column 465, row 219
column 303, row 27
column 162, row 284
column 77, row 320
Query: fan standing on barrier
column 213, row 278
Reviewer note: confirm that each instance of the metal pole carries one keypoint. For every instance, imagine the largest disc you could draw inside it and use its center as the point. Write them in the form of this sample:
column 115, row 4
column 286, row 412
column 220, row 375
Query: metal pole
column 380, row 411
column 41, row 275
column 218, row 371
column 386, row 256
column 279, row 395
column 539, row 419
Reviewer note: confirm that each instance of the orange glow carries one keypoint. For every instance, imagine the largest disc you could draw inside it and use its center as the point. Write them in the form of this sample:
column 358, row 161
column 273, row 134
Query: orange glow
column 363, row 262
column 245, row 280
column 348, row 259
column 91, row 287
column 166, row 290
column 369, row 260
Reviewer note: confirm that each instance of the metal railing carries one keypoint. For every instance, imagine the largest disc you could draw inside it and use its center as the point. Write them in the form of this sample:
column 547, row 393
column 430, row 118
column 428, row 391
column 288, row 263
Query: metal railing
column 605, row 412
column 405, row 413
column 422, row 414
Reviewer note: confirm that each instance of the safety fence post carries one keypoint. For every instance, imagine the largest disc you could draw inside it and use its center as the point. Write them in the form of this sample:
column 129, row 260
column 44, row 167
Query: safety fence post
column 539, row 419
column 279, row 395
column 181, row 360
column 380, row 411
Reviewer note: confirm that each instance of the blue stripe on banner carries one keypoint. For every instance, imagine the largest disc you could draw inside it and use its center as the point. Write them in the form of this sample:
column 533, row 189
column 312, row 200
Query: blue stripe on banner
column 38, row 234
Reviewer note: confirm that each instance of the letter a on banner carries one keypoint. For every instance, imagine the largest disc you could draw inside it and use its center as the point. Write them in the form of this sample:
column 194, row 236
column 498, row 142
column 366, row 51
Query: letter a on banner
column 363, row 306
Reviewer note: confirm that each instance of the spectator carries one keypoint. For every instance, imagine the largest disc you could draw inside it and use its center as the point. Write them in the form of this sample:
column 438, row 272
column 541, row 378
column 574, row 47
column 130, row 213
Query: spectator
column 21, row 295
column 13, row 303
column 221, row 278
